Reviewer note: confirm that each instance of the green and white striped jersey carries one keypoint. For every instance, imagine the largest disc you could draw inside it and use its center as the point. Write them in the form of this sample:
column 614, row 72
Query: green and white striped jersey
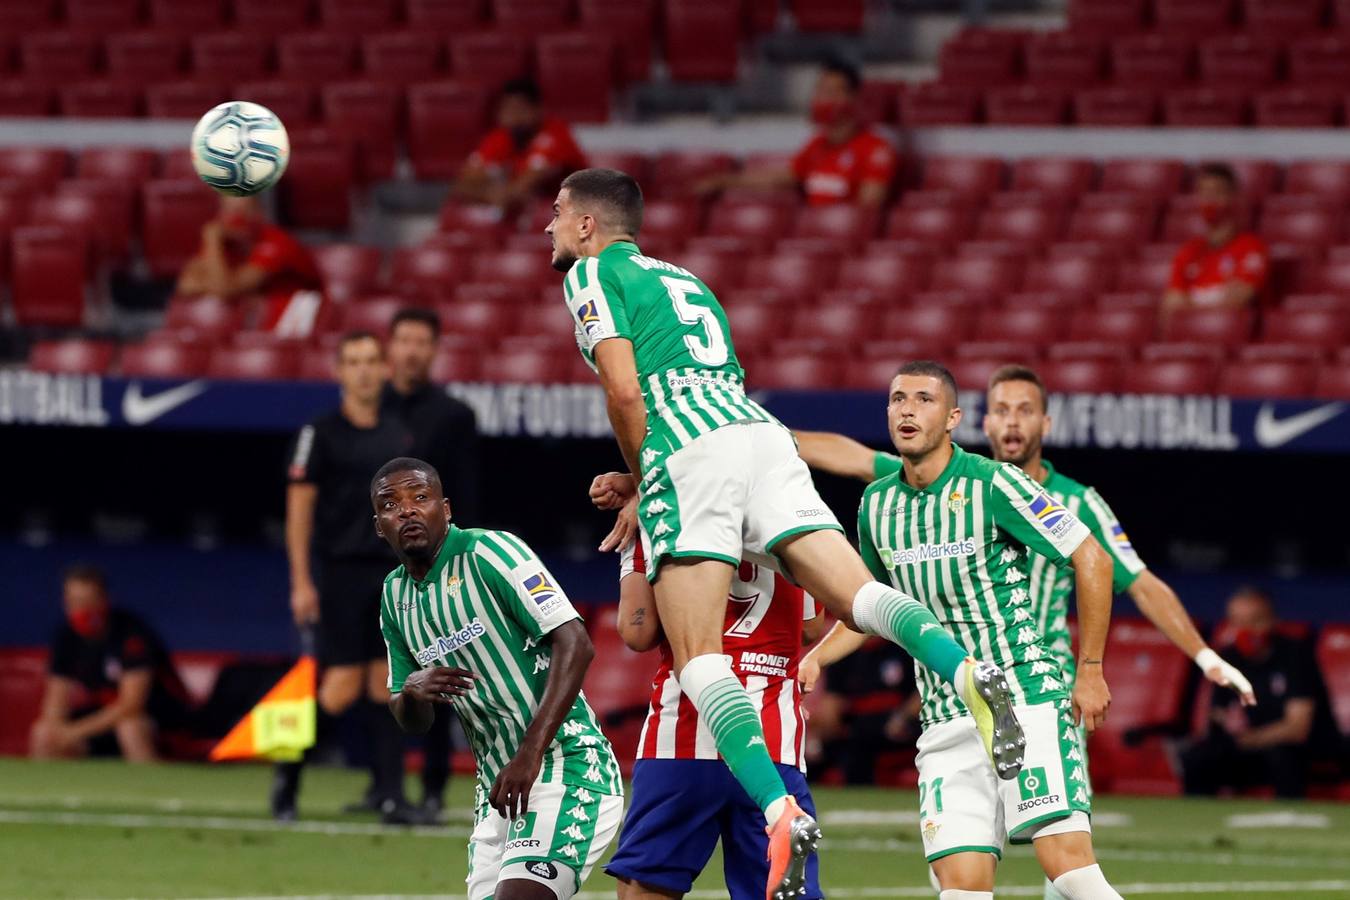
column 690, row 377
column 486, row 605
column 961, row 546
column 1051, row 584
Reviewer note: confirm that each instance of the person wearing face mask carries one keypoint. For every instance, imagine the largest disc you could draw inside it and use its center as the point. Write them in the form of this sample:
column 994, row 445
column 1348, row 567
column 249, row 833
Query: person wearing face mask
column 844, row 162
column 1228, row 266
column 1272, row 742
column 258, row 267
column 110, row 685
column 528, row 152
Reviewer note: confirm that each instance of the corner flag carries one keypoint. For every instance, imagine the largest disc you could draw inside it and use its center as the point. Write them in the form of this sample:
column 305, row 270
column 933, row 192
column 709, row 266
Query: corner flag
column 281, row 726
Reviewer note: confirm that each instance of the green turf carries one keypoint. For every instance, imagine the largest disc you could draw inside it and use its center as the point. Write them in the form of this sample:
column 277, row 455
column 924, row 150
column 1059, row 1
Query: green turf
column 106, row 830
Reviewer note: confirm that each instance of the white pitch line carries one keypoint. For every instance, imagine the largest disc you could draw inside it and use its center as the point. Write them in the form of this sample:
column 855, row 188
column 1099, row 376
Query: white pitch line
column 222, row 823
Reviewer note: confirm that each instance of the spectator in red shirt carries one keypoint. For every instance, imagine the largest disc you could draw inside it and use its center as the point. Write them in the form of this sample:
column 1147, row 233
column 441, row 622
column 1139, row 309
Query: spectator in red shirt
column 526, row 154
column 845, row 162
column 1225, row 268
column 249, row 261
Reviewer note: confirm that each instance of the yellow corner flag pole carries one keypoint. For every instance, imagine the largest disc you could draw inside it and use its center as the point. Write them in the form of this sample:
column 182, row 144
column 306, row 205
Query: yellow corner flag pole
column 281, row 727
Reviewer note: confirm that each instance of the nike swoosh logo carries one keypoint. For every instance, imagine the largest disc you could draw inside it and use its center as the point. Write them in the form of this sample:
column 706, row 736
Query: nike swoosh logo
column 141, row 410
column 1272, row 432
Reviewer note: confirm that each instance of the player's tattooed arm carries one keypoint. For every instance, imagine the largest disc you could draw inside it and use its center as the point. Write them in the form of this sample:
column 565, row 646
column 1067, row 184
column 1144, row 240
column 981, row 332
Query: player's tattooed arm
column 571, row 652
column 639, row 625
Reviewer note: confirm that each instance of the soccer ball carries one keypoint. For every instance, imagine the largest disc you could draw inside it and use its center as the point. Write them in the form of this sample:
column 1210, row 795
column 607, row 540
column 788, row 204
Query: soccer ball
column 240, row 148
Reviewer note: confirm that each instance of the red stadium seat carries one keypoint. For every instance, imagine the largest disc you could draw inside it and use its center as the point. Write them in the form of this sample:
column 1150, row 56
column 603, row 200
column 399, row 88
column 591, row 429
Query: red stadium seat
column 370, row 112
column 1332, row 276
column 795, row 372
column 1297, row 107
column 1063, row 59
column 1070, row 276
column 1224, row 327
column 1239, row 61
column 1026, row 326
column 1205, row 108
column 444, row 16
column 143, row 57
column 292, row 101
column 515, row 267
column 800, row 277
column 27, row 16
column 1334, row 303
column 718, row 270
column 430, row 271
column 854, row 225
column 840, row 326
column 1329, row 178
column 1053, row 176
column 57, row 57
column 316, row 58
column 1107, row 18
column 532, row 17
column 165, row 359
column 357, row 17
column 271, row 17
column 179, row 18
column 1333, row 658
column 39, row 167
column 880, row 101
column 577, row 75
column 891, row 278
column 229, row 56
column 128, row 166
column 1120, row 326
column 1182, row 351
column 674, row 173
column 828, row 15
column 315, row 364
column 456, row 365
column 1256, row 177
column 19, row 98
column 490, row 58
column 1115, row 107
column 262, row 362
column 102, row 16
column 402, row 57
column 754, row 326
column 1170, row 377
column 101, row 210
column 1326, row 329
column 937, row 225
column 1151, row 61
column 1029, row 227
column 756, row 222
column 972, row 374
column 1026, row 105
column 972, row 176
column 1320, row 60
column 1072, row 351
column 979, row 276
column 1271, row 379
column 943, row 325
column 100, row 100
column 445, row 121
column 74, row 356
column 1333, row 382
column 1282, row 18
column 316, row 192
column 1193, row 18
column 373, row 314
column 1153, row 177
column 875, row 373
column 1082, row 376
column 701, row 38
column 981, row 57
column 630, row 25
column 526, row 365
column 932, row 103
column 49, row 275
column 1308, row 227
column 174, row 212
column 206, row 319
column 183, row 99
column 1149, row 276
column 1126, row 227
column 348, row 270
column 676, row 219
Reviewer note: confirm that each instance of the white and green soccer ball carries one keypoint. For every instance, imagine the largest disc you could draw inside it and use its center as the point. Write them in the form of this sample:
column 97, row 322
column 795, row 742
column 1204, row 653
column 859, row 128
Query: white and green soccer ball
column 240, row 148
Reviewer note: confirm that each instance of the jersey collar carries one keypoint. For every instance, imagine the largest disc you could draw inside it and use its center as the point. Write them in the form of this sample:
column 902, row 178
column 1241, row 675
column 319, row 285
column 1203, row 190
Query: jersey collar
column 621, row 246
column 1050, row 473
column 454, row 542
column 953, row 466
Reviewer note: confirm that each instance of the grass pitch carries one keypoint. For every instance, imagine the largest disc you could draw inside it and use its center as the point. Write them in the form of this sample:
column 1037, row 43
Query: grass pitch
column 109, row 831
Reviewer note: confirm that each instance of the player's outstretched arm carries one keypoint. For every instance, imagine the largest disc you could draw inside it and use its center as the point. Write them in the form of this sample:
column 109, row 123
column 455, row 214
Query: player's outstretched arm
column 571, row 655
column 840, row 642
column 623, row 397
column 1161, row 606
column 1092, row 577
column 836, row 454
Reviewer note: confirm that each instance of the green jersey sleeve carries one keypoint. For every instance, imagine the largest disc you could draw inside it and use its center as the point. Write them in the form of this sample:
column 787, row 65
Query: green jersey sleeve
column 1035, row 519
column 595, row 298
column 867, row 546
column 525, row 589
column 401, row 662
column 884, row 464
column 1106, row 528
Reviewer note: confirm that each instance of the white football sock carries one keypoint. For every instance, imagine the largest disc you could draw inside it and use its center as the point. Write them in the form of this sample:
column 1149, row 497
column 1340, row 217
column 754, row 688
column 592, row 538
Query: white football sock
column 1050, row 892
column 966, row 895
column 1087, row 883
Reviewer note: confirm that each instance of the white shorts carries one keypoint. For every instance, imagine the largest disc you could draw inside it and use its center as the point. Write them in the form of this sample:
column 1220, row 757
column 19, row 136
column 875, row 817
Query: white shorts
column 963, row 806
column 732, row 494
column 565, row 833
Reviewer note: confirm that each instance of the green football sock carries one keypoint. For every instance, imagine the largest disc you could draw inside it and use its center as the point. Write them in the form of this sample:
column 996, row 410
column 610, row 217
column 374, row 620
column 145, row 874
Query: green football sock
column 890, row 614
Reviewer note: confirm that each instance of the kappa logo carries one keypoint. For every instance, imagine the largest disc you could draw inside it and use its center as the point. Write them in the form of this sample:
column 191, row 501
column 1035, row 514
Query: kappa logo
column 657, row 507
column 755, row 741
column 655, row 487
column 649, row 456
column 661, row 528
column 543, row 869
column 925, row 628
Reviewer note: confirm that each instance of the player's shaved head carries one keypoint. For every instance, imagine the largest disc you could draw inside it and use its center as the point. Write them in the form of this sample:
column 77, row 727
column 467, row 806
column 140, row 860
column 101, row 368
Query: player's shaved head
column 411, row 512
column 611, row 196
column 930, row 369
column 402, row 464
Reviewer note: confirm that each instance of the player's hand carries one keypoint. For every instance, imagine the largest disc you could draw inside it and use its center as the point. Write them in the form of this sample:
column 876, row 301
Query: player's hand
column 305, row 604
column 1091, row 697
column 510, row 794
column 808, row 673
column 625, row 528
column 612, row 490
column 1225, row 674
column 438, row 684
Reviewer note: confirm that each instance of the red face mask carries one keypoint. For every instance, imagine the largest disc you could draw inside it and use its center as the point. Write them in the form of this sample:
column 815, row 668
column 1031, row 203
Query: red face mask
column 1213, row 212
column 88, row 622
column 1250, row 642
column 831, row 112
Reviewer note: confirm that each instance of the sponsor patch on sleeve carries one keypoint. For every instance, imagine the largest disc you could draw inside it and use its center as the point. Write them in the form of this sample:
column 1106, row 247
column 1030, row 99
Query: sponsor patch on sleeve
column 543, row 593
column 1053, row 518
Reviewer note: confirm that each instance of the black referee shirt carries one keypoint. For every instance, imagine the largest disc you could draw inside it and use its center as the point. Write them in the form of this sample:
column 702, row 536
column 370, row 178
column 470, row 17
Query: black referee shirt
column 445, row 434
column 127, row 644
column 340, row 459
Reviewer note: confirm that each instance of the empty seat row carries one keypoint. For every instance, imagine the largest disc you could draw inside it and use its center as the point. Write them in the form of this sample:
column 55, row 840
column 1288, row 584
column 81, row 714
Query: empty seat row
column 1204, row 17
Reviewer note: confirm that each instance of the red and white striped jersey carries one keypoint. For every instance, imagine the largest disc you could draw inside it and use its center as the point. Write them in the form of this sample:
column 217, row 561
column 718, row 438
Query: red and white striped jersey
column 763, row 637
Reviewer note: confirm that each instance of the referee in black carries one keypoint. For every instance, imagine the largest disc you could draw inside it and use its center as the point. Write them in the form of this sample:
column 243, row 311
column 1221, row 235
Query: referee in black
column 445, row 434
column 338, row 566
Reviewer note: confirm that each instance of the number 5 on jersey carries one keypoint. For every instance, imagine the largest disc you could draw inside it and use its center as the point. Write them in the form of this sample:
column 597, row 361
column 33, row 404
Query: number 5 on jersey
column 713, row 352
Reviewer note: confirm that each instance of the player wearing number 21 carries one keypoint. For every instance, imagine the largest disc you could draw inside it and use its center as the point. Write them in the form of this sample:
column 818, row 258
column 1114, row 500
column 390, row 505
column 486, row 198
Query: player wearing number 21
column 720, row 481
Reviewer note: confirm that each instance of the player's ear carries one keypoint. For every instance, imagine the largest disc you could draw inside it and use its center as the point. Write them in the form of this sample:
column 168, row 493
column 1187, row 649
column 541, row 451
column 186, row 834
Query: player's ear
column 448, row 517
column 378, row 531
column 1049, row 424
column 954, row 418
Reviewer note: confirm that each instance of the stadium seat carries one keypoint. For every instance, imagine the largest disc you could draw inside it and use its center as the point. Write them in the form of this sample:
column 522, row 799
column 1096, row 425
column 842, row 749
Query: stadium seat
column 74, row 356
column 102, row 16
column 348, row 270
column 1157, row 61
column 936, row 226
column 164, row 359
column 39, row 167
column 144, row 57
column 840, row 326
column 490, row 58
column 1070, row 276
column 718, row 270
column 525, row 365
column 1320, row 60
column 1121, row 326
column 932, row 103
column 206, row 319
column 1072, row 351
column 875, row 373
column 1029, row 327
column 1170, row 377
column 1334, row 303
column 630, row 25
column 828, row 15
column 1081, row 376
column 371, row 314
column 372, row 114
column 429, row 272
column 701, row 38
column 1316, row 227
column 1029, row 227
column 229, row 56
column 984, row 277
column 1328, row 178
column 674, row 173
column 670, row 220
column 100, row 100
column 1107, row 18
column 981, row 57
column 1159, row 178
column 1333, row 382
column 1182, row 351
column 358, row 17
column 761, row 223
column 102, row 210
column 972, row 373
column 1324, row 329
column 316, row 192
column 1205, row 107
column 940, row 325
column 1193, row 18
column 1267, row 379
column 1223, row 327
column 971, row 176
column 445, row 121
column 1026, row 105
column 183, row 99
column 577, row 75
column 444, row 16
column 795, row 372
column 1061, row 59
column 27, row 16
column 1149, row 276
column 263, row 362
column 1229, row 62
column 19, row 98
column 845, row 222
column 402, row 57
column 755, row 326
column 316, row 58
column 800, row 277
column 271, row 17
column 173, row 214
column 127, row 166
column 57, row 57
column 293, row 102
column 1282, row 18
column 1257, row 178
column 1053, row 176
column 1115, row 107
column 1125, row 227
column 456, row 365
column 1297, row 107
column 49, row 275
column 515, row 267
column 183, row 19
column 892, row 278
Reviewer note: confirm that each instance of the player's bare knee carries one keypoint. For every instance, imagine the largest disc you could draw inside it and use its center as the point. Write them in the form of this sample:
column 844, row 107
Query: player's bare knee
column 1060, row 853
column 966, row 871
